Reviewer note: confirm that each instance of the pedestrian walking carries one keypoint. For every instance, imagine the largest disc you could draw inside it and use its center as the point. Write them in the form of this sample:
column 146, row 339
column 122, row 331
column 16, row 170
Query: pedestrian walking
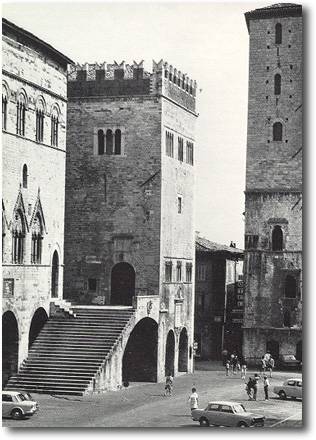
column 243, row 369
column 266, row 385
column 194, row 399
column 249, row 388
column 263, row 364
column 234, row 363
column 169, row 385
column 227, row 367
column 270, row 365
column 255, row 386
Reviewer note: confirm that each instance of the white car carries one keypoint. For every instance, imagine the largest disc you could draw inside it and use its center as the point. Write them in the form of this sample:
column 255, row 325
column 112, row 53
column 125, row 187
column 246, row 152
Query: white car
column 17, row 404
column 290, row 388
column 227, row 414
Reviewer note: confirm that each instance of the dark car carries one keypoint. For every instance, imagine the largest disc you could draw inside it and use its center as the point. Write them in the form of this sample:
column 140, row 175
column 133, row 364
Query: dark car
column 289, row 361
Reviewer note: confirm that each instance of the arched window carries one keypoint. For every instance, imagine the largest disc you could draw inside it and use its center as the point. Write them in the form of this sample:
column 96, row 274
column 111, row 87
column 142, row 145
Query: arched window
column 100, row 142
column 278, row 33
column 117, row 147
column 37, row 237
column 4, row 107
column 24, row 176
column 109, row 141
column 277, row 238
column 20, row 114
column 18, row 237
column 54, row 127
column 290, row 287
column 39, row 130
column 277, row 84
column 277, row 131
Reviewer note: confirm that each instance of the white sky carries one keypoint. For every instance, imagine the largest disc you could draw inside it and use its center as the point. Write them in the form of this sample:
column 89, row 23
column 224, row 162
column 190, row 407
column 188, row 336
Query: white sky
column 208, row 41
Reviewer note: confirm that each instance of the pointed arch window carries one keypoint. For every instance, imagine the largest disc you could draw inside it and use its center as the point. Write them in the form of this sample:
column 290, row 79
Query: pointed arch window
column 277, row 131
column 109, row 141
column 24, row 176
column 117, row 143
column 277, row 238
column 54, row 123
column 4, row 108
column 278, row 33
column 100, row 142
column 39, row 130
column 277, row 84
column 18, row 238
column 37, row 237
column 20, row 115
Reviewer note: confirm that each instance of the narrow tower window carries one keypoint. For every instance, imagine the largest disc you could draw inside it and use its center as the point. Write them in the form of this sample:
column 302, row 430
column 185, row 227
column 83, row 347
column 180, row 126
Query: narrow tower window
column 100, row 142
column 20, row 115
column 117, row 142
column 4, row 111
column 39, row 131
column 54, row 128
column 277, row 84
column 18, row 237
column 277, row 131
column 109, row 141
column 278, row 33
column 277, row 238
column 24, row 176
column 37, row 237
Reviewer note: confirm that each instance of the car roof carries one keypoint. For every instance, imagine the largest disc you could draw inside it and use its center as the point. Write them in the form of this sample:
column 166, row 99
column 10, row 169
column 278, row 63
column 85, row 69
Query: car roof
column 11, row 393
column 223, row 402
column 294, row 378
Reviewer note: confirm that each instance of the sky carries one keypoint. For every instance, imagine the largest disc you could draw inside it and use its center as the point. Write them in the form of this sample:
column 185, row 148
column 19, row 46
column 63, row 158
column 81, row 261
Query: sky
column 208, row 41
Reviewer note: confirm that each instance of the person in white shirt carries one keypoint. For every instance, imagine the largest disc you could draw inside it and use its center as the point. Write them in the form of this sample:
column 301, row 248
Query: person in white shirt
column 194, row 399
column 266, row 384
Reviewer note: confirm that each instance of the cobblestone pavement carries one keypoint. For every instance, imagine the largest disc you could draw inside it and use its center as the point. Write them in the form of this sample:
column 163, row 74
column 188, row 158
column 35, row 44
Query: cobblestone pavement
column 144, row 405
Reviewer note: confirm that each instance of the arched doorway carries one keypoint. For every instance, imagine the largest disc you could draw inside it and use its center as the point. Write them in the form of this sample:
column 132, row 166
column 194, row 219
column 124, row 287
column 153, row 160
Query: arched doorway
column 55, row 275
column 183, row 351
column 273, row 349
column 169, row 358
column 140, row 355
column 10, row 346
column 122, row 284
column 299, row 353
column 38, row 321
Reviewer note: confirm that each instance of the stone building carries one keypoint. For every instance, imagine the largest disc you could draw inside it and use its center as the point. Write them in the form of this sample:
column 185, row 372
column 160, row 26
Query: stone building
column 34, row 98
column 218, row 269
column 273, row 196
column 129, row 233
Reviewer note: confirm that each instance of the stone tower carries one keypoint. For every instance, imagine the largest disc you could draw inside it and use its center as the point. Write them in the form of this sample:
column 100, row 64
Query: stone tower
column 129, row 232
column 273, row 196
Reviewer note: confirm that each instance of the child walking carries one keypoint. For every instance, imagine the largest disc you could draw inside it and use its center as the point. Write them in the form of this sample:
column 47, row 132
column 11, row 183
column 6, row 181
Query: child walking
column 194, row 399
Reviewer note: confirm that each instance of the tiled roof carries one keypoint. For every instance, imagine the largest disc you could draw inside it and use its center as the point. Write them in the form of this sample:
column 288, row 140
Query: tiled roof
column 204, row 245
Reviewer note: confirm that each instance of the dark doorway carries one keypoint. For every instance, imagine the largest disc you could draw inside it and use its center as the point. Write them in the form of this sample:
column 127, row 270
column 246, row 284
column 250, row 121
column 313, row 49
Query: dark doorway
column 38, row 321
column 183, row 351
column 299, row 353
column 55, row 275
column 140, row 355
column 290, row 287
column 273, row 349
column 10, row 346
column 122, row 284
column 169, row 359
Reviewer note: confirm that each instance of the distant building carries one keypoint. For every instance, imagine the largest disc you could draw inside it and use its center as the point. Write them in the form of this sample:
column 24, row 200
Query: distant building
column 218, row 310
column 34, row 103
column 273, row 196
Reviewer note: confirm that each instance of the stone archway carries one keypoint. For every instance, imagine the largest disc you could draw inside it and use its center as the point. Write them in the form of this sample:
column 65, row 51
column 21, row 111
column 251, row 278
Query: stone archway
column 183, row 351
column 38, row 321
column 169, row 356
column 140, row 355
column 55, row 275
column 10, row 346
column 122, row 284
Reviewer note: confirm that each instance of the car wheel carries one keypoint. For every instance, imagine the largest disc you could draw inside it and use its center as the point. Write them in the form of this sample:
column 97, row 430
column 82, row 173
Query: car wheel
column 204, row 422
column 16, row 414
column 242, row 425
column 282, row 395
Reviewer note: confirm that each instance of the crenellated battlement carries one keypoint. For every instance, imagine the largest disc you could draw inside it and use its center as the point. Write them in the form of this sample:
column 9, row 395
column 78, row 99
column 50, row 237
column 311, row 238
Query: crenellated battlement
column 122, row 79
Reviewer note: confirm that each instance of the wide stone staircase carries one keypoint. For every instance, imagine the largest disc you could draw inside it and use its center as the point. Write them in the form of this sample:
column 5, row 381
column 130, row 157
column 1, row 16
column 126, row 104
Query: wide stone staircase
column 69, row 351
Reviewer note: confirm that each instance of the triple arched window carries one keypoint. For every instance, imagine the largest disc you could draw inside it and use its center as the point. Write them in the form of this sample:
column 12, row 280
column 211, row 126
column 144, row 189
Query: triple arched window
column 110, row 143
column 39, row 131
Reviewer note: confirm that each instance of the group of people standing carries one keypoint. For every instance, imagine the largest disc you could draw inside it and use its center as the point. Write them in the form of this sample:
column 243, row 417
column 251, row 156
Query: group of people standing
column 252, row 387
column 233, row 364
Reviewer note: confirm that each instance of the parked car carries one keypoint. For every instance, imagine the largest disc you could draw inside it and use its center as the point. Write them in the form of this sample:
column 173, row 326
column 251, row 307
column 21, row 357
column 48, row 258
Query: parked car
column 287, row 361
column 290, row 388
column 17, row 404
column 227, row 414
